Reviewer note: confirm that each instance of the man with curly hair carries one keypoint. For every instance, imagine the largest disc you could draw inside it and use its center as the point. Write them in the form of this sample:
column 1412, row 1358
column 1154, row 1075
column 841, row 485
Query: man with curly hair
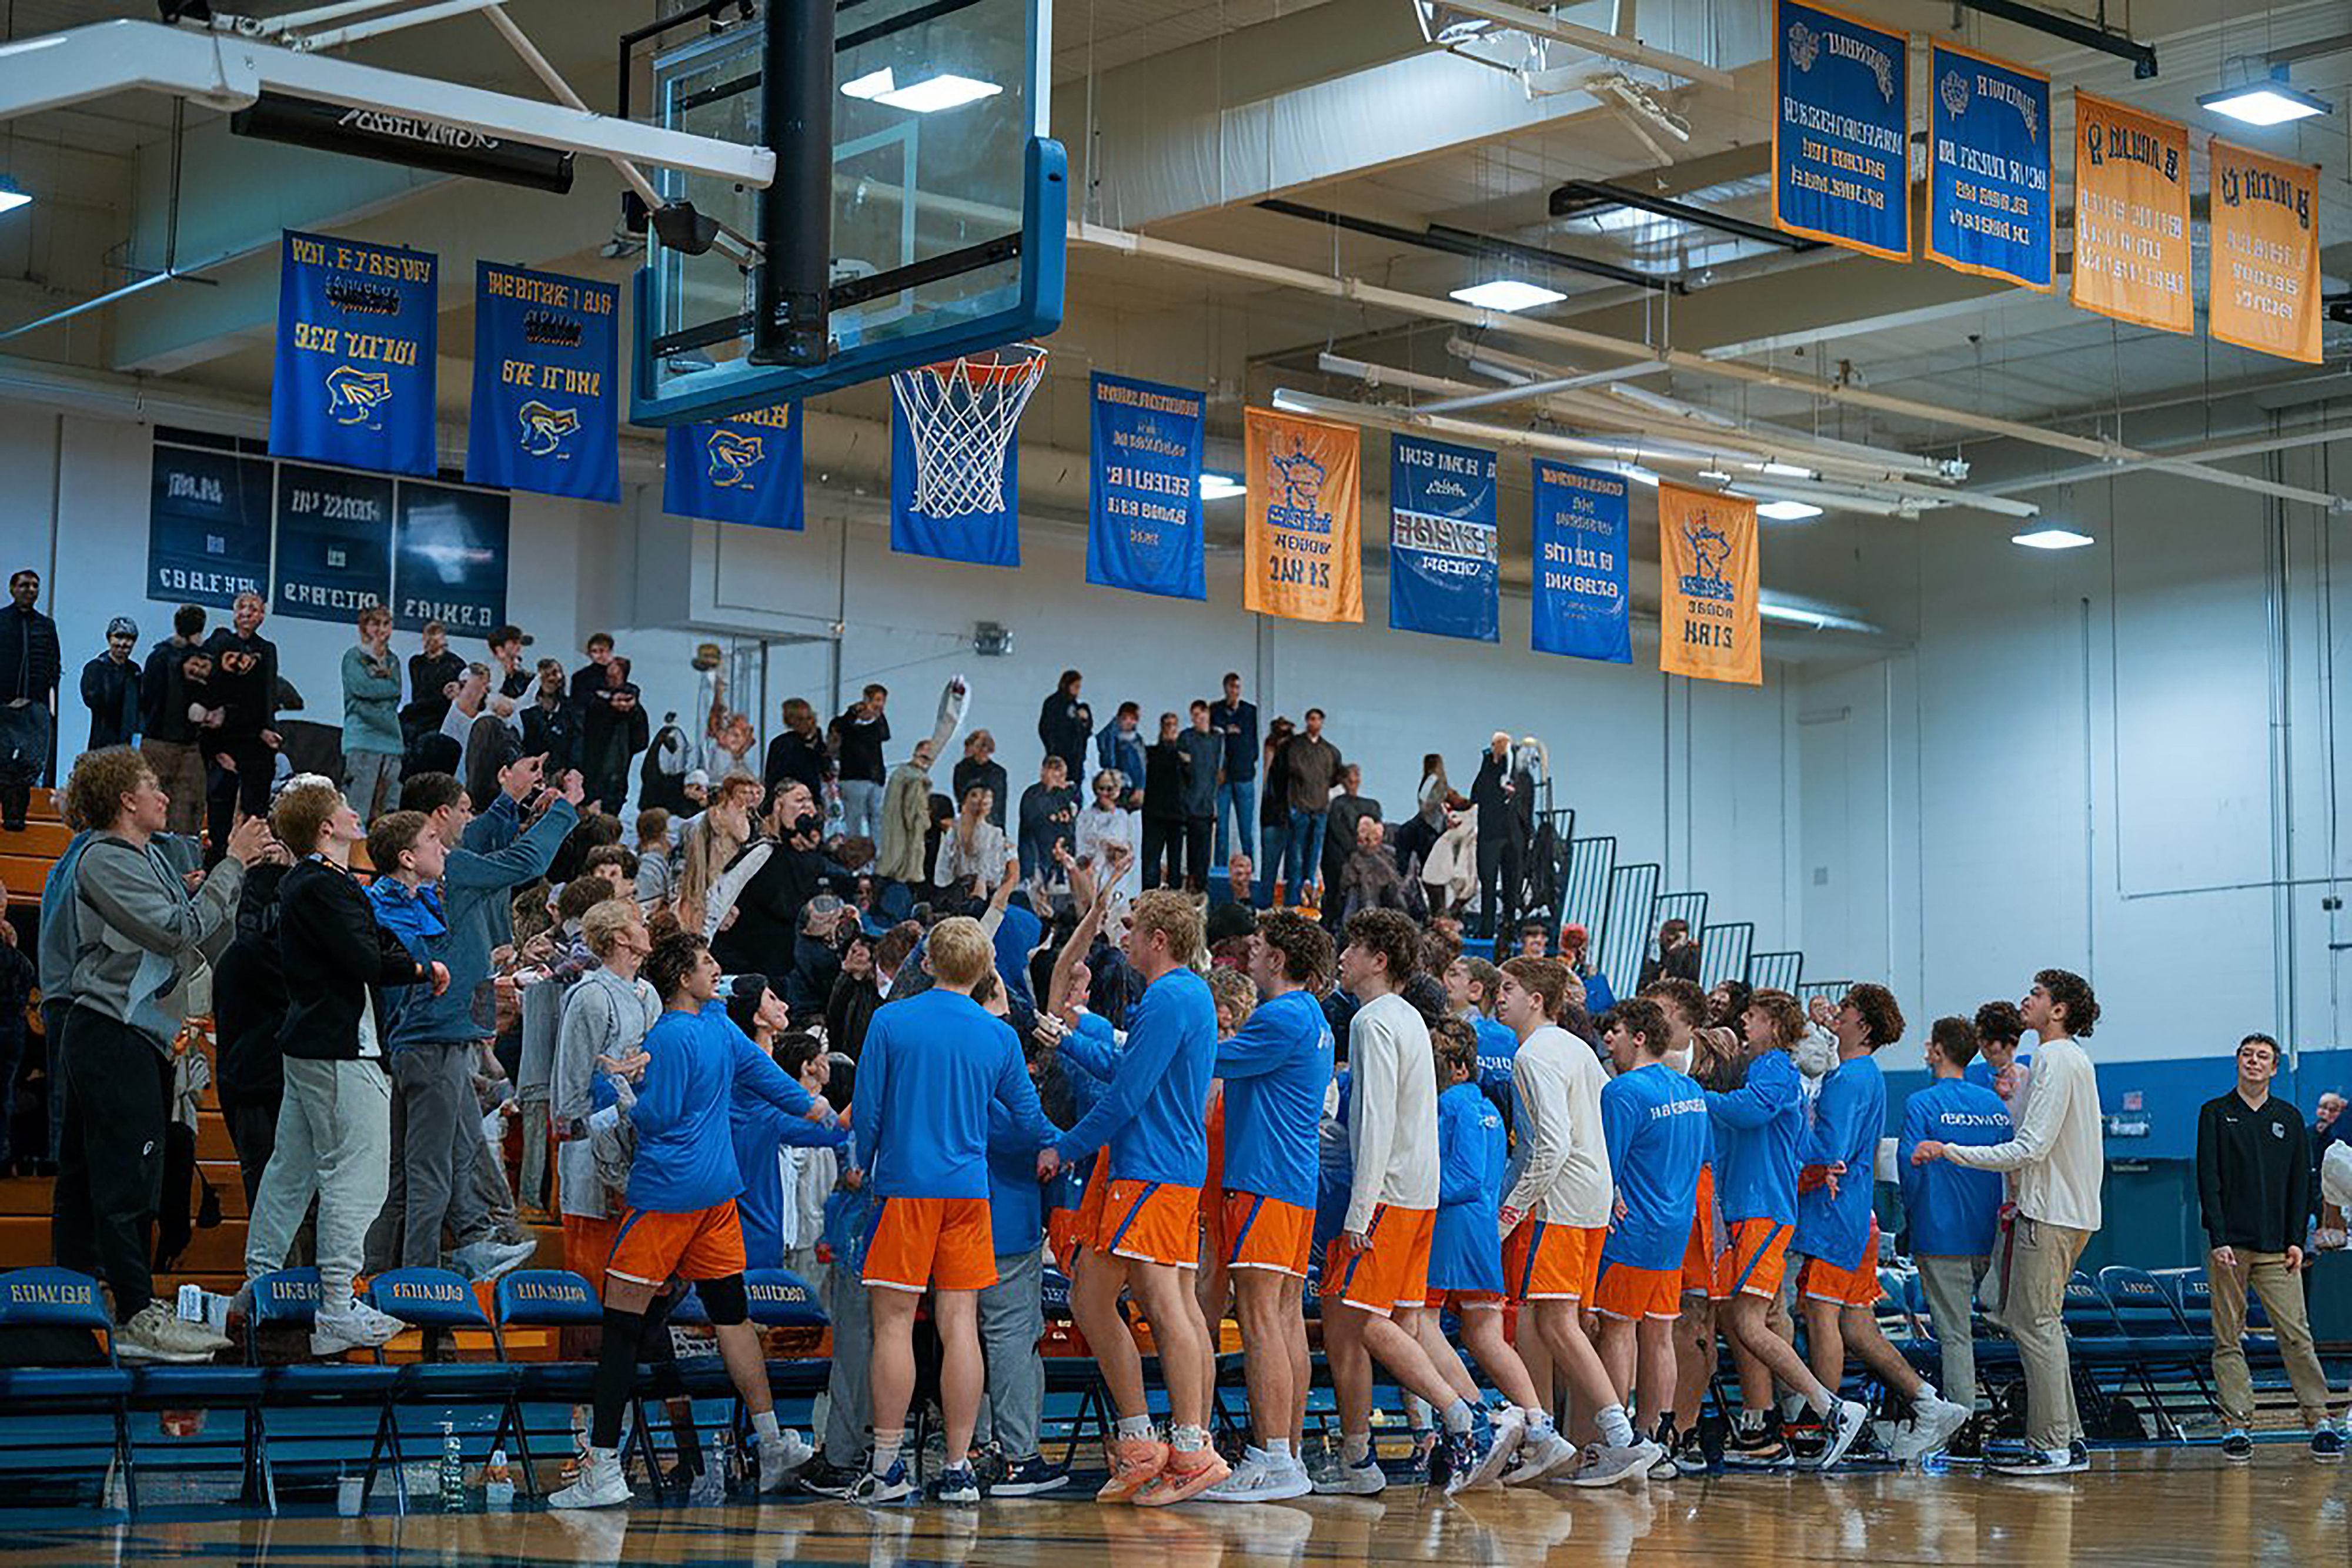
column 2059, row 1156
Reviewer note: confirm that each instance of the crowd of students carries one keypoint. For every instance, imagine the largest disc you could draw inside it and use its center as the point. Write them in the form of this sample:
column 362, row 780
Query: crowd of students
column 919, row 1061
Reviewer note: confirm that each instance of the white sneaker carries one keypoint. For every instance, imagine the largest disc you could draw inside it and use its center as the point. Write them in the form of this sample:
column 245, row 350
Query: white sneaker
column 356, row 1327
column 1344, row 1479
column 601, row 1483
column 1260, row 1478
column 1540, row 1454
column 492, row 1260
column 1510, row 1429
column 1845, row 1424
column 155, row 1333
column 1611, row 1466
column 1933, row 1422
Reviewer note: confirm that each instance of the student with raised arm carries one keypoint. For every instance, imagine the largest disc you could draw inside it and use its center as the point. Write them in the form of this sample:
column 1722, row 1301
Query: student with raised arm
column 2060, row 1157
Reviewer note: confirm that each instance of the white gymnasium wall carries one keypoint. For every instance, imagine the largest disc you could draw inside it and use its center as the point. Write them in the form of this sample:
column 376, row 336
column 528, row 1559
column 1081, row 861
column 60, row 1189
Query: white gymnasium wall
column 2108, row 759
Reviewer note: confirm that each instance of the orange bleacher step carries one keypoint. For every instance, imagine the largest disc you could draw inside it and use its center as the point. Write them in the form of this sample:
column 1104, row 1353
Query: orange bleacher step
column 29, row 1195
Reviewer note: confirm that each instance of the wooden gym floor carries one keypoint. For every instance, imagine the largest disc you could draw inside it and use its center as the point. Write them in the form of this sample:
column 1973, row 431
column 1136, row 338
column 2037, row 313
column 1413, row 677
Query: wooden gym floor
column 2146, row 1508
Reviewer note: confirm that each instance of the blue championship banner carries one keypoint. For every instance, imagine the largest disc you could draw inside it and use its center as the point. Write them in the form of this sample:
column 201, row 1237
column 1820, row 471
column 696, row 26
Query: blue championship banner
column 1581, row 606
column 1840, row 130
column 982, row 537
column 745, row 468
column 357, row 328
column 1988, row 168
column 1143, row 528
column 547, row 393
column 1443, row 571
column 334, row 543
column 208, row 527
column 449, row 559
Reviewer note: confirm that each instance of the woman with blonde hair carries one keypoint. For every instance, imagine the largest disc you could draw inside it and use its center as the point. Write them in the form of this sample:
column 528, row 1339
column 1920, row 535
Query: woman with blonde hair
column 711, row 841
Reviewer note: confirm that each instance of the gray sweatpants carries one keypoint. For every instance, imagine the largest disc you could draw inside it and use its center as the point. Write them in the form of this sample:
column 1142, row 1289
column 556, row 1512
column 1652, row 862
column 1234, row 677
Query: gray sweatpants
column 1012, row 1316
column 437, row 1132
column 334, row 1142
column 1951, row 1287
column 849, row 1397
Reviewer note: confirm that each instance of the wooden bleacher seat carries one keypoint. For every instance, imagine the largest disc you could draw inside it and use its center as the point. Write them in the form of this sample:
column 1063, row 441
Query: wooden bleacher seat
column 26, row 856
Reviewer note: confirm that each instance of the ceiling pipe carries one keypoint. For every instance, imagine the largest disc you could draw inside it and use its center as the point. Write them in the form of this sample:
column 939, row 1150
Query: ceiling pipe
column 1356, row 291
column 2206, row 452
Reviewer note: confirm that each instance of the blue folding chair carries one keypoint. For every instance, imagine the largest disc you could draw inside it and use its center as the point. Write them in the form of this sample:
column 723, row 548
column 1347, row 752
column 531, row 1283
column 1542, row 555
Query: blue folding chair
column 441, row 1302
column 559, row 1299
column 47, row 1298
column 289, row 1300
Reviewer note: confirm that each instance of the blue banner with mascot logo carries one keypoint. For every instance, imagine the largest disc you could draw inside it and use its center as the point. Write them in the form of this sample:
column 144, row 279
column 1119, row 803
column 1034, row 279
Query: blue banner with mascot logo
column 1581, row 605
column 547, row 384
column 745, row 468
column 1144, row 530
column 1989, row 167
column 355, row 365
column 1443, row 571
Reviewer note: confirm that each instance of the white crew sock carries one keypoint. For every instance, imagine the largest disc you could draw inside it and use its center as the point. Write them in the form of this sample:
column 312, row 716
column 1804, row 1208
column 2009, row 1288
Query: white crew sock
column 1135, row 1427
column 763, row 1425
column 1457, row 1417
column 1616, row 1427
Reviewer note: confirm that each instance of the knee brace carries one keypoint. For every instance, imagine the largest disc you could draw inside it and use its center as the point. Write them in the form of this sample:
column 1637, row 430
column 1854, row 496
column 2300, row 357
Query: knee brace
column 724, row 1299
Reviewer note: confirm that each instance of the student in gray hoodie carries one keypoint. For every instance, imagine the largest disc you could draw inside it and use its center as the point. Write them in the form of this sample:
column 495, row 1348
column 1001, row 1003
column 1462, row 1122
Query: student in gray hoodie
column 137, row 936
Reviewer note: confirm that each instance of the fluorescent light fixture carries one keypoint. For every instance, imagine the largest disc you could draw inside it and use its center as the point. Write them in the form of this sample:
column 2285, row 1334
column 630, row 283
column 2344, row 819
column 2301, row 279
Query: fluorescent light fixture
column 1786, row 511
column 13, row 196
column 1806, row 616
column 1508, row 294
column 2270, row 102
column 2050, row 536
column 945, row 90
column 1221, row 488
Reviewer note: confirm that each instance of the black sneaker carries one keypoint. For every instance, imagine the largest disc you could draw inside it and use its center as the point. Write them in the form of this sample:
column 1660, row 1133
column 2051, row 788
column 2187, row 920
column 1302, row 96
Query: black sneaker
column 2237, row 1448
column 2070, row 1460
column 2327, row 1446
column 1690, row 1454
column 1760, row 1448
column 821, row 1479
column 1967, row 1445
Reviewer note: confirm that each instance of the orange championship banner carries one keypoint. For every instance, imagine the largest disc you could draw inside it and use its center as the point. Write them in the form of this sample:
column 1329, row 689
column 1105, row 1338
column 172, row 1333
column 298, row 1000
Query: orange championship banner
column 1709, row 627
column 1306, row 556
column 2264, row 289
column 2131, row 215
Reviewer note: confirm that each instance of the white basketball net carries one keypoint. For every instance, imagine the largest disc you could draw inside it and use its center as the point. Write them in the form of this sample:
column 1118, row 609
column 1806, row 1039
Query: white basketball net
column 960, row 413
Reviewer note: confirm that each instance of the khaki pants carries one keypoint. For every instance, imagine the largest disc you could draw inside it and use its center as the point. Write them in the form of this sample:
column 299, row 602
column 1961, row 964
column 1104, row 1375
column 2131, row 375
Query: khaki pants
column 1951, row 1284
column 2042, row 1261
column 179, row 768
column 2282, row 1296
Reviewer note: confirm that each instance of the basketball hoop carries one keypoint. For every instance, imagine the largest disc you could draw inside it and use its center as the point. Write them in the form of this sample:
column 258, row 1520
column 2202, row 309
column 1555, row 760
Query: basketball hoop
column 961, row 414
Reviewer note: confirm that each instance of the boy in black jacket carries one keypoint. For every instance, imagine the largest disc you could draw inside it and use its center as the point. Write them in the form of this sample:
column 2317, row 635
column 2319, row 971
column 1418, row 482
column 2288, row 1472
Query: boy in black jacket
column 334, row 1124
column 242, row 750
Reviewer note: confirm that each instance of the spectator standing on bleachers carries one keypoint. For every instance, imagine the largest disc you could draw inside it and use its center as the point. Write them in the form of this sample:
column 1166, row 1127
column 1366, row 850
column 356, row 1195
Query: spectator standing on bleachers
column 1065, row 723
column 430, row 673
column 2059, row 1156
column 613, row 730
column 1313, row 765
column 551, row 721
column 109, row 687
column 30, row 664
column 508, row 676
column 168, row 731
column 243, row 748
column 2253, row 1190
column 435, row 1040
column 333, row 1139
column 1236, row 722
column 1954, row 1213
column 248, row 1010
column 856, row 738
column 979, row 765
column 372, row 739
column 123, row 908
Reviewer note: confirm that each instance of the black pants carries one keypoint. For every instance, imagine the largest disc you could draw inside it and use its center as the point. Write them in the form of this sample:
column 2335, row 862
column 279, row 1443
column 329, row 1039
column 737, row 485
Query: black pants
column 253, row 1132
column 226, row 793
column 1163, row 840
column 118, row 1096
column 1498, row 863
column 1198, row 831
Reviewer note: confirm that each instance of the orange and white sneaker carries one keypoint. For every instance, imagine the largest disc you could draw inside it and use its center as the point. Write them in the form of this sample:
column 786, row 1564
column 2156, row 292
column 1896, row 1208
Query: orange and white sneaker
column 1185, row 1476
column 1134, row 1461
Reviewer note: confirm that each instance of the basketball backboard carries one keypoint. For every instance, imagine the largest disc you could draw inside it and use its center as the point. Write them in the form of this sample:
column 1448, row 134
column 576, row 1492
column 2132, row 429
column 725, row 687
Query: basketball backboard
column 947, row 202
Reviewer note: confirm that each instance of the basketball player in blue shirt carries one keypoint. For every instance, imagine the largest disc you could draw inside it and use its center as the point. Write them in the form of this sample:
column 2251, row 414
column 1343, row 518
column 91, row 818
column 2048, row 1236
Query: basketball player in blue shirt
column 1837, row 1235
column 1954, row 1210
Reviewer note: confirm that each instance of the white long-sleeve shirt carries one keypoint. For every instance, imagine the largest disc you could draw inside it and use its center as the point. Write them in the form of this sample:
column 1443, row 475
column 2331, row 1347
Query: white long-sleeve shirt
column 2060, row 1150
column 1392, row 1111
column 1564, row 1178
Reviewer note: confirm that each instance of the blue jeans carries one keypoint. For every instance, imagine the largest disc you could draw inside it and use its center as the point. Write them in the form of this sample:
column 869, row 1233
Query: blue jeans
column 1240, row 797
column 861, row 810
column 1306, row 856
column 1269, row 870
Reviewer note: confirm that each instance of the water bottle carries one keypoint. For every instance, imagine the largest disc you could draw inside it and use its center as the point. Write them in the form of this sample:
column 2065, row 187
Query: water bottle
column 498, row 1483
column 453, row 1470
column 350, row 1491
